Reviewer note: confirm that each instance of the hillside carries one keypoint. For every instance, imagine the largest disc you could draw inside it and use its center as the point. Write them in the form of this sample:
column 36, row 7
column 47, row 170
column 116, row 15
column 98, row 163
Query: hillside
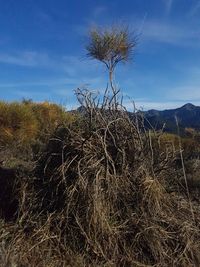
column 188, row 117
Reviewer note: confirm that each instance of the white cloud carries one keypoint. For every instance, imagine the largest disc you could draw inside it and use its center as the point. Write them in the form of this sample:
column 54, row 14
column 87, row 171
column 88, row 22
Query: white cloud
column 158, row 31
column 188, row 93
column 51, row 82
column 78, row 71
column 158, row 105
column 26, row 58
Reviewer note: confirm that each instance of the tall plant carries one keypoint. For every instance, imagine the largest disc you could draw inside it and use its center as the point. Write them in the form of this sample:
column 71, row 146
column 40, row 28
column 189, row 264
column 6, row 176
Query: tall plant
column 111, row 46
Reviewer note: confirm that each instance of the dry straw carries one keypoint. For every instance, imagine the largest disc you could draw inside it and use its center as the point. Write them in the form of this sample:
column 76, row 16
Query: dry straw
column 99, row 199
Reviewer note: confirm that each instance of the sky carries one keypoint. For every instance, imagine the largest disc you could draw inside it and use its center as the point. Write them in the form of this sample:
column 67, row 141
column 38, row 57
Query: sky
column 43, row 56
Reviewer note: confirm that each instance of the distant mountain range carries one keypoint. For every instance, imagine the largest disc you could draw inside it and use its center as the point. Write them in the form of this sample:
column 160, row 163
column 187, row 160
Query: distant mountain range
column 188, row 116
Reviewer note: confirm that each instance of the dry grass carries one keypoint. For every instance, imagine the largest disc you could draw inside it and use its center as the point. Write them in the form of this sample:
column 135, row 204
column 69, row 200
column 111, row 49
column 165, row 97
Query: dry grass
column 100, row 196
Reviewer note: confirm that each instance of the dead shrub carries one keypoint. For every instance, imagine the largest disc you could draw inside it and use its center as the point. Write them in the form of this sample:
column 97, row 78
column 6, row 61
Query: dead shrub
column 104, row 185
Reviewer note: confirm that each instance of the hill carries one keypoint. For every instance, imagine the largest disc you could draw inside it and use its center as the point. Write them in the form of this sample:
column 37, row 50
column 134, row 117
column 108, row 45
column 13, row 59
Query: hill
column 188, row 116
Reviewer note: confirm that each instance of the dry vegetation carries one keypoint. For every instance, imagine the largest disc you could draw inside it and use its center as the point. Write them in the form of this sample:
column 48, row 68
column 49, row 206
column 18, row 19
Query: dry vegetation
column 29, row 121
column 26, row 127
column 104, row 192
column 96, row 189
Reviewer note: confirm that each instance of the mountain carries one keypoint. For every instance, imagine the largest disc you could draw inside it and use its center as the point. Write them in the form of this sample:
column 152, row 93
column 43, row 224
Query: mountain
column 188, row 116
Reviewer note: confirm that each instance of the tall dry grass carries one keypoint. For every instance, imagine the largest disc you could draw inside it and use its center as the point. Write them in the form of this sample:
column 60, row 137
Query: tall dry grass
column 101, row 195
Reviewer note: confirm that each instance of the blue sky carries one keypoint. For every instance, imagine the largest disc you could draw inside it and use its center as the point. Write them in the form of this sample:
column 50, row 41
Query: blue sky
column 42, row 53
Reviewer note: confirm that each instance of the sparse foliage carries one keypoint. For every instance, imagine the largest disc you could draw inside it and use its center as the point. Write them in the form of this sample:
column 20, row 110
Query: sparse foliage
column 111, row 46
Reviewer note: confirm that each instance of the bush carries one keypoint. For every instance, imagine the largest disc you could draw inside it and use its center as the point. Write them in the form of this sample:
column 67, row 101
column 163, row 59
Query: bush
column 101, row 189
column 17, row 123
column 28, row 121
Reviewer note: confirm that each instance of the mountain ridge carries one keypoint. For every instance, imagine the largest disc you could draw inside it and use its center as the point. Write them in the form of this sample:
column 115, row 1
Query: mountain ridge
column 187, row 116
column 170, row 120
